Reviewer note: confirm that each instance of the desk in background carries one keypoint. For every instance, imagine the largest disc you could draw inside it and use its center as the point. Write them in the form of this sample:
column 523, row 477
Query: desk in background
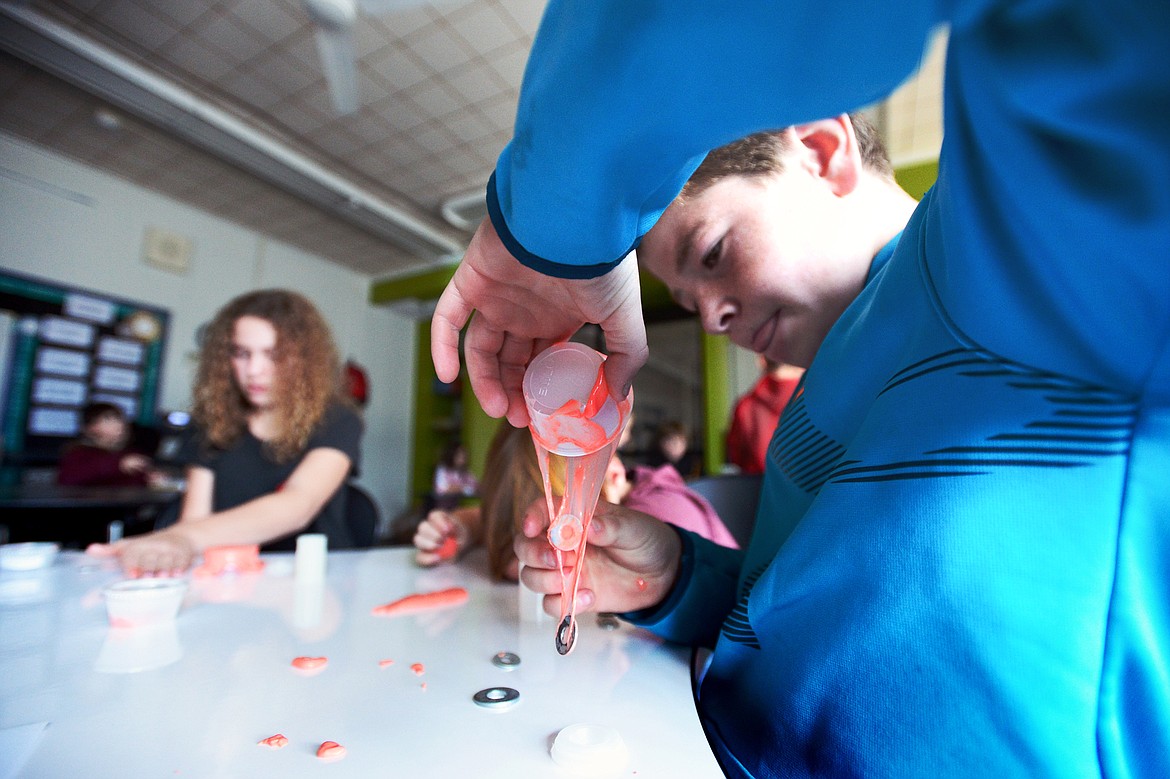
column 76, row 516
column 227, row 680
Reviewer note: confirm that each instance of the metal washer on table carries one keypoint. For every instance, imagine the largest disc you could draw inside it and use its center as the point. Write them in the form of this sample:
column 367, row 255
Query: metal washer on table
column 506, row 660
column 497, row 697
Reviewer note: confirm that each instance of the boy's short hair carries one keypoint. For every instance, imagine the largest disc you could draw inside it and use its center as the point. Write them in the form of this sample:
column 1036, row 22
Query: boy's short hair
column 94, row 411
column 759, row 154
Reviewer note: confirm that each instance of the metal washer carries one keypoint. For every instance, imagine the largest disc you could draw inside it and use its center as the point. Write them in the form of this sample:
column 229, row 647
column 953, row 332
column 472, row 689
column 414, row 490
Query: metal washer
column 506, row 660
column 496, row 697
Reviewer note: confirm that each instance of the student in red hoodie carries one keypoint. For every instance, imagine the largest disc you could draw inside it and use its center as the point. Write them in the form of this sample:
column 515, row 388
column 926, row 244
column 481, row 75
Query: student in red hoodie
column 755, row 416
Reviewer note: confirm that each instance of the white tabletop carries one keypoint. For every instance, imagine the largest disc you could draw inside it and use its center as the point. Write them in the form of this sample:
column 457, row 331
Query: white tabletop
column 70, row 705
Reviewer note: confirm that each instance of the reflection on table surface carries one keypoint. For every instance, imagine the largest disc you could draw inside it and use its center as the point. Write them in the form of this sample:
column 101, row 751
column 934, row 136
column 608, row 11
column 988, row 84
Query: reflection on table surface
column 194, row 698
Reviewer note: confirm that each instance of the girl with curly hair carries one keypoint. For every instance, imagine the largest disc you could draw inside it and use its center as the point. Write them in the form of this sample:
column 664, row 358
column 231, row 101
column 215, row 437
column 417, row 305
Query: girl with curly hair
column 275, row 438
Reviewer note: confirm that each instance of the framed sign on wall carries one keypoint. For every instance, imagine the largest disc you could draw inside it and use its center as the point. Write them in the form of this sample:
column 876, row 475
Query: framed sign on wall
column 62, row 347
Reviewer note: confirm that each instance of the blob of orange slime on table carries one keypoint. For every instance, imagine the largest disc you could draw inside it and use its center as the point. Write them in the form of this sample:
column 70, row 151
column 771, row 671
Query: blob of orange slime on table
column 310, row 664
column 331, row 750
column 570, row 443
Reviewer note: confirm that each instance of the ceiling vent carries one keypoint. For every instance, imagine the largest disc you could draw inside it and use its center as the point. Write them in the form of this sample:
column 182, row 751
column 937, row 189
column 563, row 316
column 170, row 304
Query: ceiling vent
column 465, row 211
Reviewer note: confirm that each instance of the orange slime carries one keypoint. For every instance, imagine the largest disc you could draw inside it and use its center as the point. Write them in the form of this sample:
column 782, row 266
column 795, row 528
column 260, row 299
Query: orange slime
column 273, row 742
column 310, row 663
column 422, row 601
column 330, row 750
column 448, row 548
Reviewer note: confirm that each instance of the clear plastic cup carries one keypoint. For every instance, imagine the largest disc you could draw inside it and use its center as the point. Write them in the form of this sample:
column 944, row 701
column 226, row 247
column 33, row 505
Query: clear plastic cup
column 557, row 389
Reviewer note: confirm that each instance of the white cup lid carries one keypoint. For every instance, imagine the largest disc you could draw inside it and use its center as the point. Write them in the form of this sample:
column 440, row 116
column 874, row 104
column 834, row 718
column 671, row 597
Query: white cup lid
column 589, row 749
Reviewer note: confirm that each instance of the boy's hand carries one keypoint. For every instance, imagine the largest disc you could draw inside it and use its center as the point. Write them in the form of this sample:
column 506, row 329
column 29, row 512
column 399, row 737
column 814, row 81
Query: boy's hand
column 631, row 561
column 520, row 312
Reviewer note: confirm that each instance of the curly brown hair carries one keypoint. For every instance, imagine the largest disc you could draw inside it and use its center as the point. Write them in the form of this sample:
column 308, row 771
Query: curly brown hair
column 306, row 364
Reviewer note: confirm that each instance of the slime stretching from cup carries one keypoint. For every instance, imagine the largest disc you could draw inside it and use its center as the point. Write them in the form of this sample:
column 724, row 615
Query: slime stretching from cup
column 575, row 426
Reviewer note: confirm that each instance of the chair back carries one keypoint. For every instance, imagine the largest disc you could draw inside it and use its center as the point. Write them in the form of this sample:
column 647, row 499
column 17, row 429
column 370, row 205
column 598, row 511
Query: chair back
column 361, row 514
column 735, row 497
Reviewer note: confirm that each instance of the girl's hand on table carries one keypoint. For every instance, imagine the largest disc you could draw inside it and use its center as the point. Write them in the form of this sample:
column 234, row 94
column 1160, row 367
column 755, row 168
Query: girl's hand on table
column 165, row 553
column 439, row 538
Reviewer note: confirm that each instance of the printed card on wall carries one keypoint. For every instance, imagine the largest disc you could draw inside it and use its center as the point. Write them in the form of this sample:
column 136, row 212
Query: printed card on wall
column 66, row 348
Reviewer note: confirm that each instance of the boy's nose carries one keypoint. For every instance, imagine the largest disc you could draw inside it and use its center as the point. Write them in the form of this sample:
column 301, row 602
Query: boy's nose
column 718, row 315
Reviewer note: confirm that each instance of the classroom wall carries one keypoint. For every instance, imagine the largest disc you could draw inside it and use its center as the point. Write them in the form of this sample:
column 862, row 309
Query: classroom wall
column 74, row 224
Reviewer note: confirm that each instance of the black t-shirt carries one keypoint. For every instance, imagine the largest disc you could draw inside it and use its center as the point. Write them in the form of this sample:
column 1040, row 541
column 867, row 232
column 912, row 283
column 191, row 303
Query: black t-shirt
column 245, row 471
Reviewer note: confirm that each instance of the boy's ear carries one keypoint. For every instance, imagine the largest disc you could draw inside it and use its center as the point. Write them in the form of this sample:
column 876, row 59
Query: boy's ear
column 834, row 155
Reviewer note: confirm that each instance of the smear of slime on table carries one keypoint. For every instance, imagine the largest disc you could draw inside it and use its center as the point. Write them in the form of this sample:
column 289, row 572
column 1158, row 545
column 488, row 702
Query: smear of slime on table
column 418, row 669
column 273, row 742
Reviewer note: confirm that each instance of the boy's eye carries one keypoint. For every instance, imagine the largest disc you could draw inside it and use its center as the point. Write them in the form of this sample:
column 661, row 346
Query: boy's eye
column 711, row 258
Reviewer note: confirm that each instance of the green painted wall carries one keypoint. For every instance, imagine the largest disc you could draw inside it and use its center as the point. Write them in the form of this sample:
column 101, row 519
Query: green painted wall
column 916, row 179
column 478, row 429
column 421, row 286
column 717, row 400
column 427, row 407
column 439, row 417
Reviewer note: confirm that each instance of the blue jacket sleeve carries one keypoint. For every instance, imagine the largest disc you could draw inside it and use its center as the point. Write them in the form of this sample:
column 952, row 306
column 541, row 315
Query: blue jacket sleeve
column 621, row 101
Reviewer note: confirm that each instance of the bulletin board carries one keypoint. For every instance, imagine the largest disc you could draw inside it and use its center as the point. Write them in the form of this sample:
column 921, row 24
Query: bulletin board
column 62, row 347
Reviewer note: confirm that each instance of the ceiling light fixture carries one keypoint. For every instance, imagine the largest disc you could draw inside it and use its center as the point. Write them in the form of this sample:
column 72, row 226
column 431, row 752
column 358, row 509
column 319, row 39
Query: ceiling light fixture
column 107, row 119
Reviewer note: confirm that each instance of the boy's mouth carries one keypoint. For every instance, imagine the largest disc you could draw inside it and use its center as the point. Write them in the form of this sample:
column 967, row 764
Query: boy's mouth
column 762, row 338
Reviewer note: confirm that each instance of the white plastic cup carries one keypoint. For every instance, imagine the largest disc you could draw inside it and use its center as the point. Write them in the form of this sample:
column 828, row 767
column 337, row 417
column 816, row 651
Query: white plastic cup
column 562, row 373
column 310, row 557
column 132, row 603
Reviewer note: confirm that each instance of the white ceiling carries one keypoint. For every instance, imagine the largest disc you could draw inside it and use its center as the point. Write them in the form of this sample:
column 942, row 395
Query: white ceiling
column 438, row 85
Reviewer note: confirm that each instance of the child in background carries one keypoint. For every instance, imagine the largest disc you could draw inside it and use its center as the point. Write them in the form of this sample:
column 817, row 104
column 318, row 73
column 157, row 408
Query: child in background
column 661, row 492
column 101, row 456
column 671, row 444
column 511, row 483
column 757, row 413
column 453, row 481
